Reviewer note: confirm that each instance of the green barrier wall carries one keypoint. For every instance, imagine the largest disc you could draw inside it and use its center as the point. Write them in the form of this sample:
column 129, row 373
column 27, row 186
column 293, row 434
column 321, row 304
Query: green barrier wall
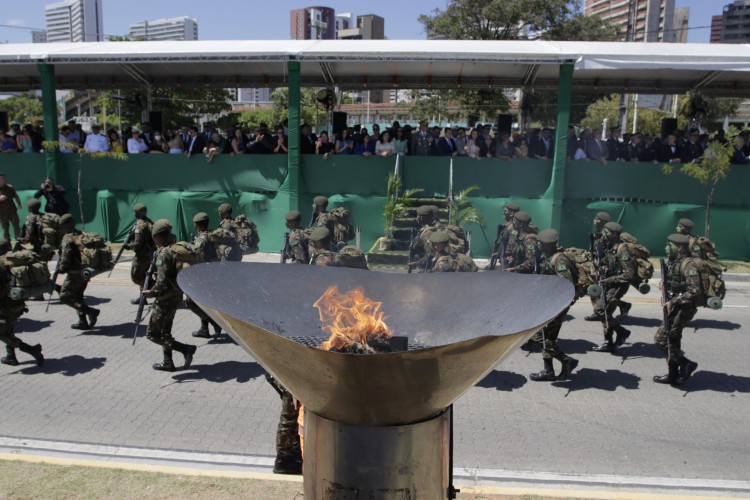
column 644, row 200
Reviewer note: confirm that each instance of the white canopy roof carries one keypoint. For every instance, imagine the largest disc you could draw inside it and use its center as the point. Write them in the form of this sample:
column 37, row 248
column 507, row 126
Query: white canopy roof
column 655, row 68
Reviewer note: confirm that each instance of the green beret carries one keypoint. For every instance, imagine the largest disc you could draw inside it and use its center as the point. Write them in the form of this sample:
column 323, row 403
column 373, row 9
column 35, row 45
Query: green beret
column 320, row 200
column 513, row 207
column 435, row 210
column 687, row 223
column 613, row 226
column 33, row 203
column 679, row 239
column 224, row 208
column 200, row 217
column 439, row 237
column 319, row 233
column 138, row 207
column 67, row 219
column 162, row 226
column 604, row 216
column 548, row 236
column 522, row 216
column 293, row 215
column 424, row 210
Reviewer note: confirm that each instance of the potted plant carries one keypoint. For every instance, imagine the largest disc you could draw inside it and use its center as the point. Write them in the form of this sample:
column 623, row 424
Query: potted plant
column 396, row 203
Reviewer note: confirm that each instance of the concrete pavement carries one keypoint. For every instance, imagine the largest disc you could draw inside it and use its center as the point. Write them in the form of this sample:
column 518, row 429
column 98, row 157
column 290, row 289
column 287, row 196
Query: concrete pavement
column 610, row 420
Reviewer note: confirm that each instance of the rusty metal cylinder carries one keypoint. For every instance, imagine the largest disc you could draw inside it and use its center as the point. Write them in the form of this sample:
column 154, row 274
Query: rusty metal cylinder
column 402, row 462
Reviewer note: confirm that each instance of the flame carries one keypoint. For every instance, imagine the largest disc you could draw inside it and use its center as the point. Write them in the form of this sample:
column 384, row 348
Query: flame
column 351, row 318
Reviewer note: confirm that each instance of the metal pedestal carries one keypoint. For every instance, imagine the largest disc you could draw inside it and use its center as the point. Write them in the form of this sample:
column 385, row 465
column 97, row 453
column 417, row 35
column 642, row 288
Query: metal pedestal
column 353, row 462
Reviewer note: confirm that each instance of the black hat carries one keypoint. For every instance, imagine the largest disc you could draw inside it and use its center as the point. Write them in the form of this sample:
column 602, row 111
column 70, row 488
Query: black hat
column 614, row 227
column 224, row 208
column 522, row 216
column 548, row 236
column 161, row 226
column 200, row 217
column 687, row 223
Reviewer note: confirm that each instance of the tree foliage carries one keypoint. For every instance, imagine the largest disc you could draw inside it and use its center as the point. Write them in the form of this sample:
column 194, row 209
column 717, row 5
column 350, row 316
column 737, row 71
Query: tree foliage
column 280, row 105
column 22, row 109
column 461, row 212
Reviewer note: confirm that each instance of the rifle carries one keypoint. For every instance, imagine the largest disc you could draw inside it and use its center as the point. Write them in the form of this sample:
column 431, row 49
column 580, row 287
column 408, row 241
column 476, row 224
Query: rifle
column 411, row 251
column 119, row 252
column 285, row 248
column 664, row 300
column 54, row 280
column 313, row 218
column 597, row 251
column 142, row 302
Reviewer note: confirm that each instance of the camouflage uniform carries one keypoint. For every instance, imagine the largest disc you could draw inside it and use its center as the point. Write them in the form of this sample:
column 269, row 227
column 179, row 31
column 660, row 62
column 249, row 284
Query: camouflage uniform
column 324, row 258
column 8, row 211
column 288, row 448
column 206, row 252
column 619, row 269
column 297, row 248
column 421, row 246
column 445, row 262
column 74, row 286
column 143, row 245
column 10, row 311
column 31, row 232
column 523, row 253
column 204, row 248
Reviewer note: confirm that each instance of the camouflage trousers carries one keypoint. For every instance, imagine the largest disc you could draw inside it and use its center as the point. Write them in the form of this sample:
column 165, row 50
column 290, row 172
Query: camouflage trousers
column 670, row 342
column 287, row 433
column 198, row 311
column 7, row 336
column 5, row 222
column 613, row 295
column 547, row 338
column 71, row 293
column 139, row 268
column 160, row 324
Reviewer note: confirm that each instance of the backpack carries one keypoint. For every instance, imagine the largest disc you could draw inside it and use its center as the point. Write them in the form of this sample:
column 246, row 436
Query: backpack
column 51, row 230
column 628, row 238
column 644, row 270
column 465, row 264
column 457, row 242
column 246, row 233
column 342, row 228
column 33, row 226
column 95, row 253
column 184, row 254
column 227, row 246
column 704, row 246
column 350, row 256
column 585, row 272
column 27, row 268
column 712, row 285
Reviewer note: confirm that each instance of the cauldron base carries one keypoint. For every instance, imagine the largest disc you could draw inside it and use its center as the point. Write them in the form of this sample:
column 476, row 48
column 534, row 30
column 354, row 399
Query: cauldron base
column 401, row 462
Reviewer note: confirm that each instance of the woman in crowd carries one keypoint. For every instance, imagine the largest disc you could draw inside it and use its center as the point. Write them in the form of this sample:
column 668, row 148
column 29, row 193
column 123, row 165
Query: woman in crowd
column 7, row 144
column 385, row 146
column 216, row 146
column 159, row 144
column 23, row 140
column 280, row 144
column 344, row 145
column 365, row 147
column 504, row 148
column 522, row 149
column 324, row 147
column 400, row 144
column 115, row 143
column 174, row 143
column 136, row 145
column 473, row 148
column 580, row 153
column 487, row 147
column 238, row 142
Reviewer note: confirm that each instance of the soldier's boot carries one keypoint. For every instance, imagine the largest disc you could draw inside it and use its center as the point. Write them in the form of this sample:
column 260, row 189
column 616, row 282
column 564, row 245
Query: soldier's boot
column 593, row 317
column 673, row 377
column 687, row 368
column 10, row 357
column 217, row 327
column 92, row 315
column 82, row 324
column 622, row 335
column 202, row 332
column 58, row 288
column 529, row 346
column 568, row 365
column 33, row 350
column 606, row 346
column 289, row 462
column 546, row 375
column 624, row 310
column 187, row 350
column 167, row 365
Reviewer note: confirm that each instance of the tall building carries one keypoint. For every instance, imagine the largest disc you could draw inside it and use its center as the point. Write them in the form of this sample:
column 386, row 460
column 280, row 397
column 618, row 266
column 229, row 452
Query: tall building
column 638, row 20
column 313, row 23
column 74, row 21
column 369, row 27
column 681, row 21
column 175, row 28
column 733, row 26
column 38, row 36
column 344, row 22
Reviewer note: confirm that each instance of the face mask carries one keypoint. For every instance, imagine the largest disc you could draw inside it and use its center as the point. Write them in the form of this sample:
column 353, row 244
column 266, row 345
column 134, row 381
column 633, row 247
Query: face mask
column 157, row 137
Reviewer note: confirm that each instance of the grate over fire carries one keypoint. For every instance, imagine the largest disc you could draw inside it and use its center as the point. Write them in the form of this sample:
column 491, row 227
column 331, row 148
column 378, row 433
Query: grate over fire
column 457, row 327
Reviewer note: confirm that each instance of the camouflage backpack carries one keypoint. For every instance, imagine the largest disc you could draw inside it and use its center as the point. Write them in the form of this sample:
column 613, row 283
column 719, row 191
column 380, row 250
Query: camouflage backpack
column 33, row 226
column 628, row 238
column 712, row 284
column 465, row 264
column 585, row 272
column 350, row 256
column 184, row 254
column 644, row 270
column 342, row 228
column 95, row 253
column 227, row 246
column 457, row 242
column 246, row 233
column 51, row 230
column 27, row 268
column 703, row 246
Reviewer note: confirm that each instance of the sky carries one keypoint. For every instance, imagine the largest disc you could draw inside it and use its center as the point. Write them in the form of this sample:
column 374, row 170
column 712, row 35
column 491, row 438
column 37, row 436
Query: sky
column 243, row 20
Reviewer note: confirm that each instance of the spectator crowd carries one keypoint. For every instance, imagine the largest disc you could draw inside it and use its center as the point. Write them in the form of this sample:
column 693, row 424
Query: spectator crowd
column 478, row 142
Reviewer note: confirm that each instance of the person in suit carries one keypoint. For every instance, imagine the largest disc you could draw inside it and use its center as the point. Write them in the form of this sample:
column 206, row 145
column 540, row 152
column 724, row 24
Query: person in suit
column 195, row 144
column 446, row 145
column 544, row 147
column 596, row 149
column 669, row 152
column 423, row 142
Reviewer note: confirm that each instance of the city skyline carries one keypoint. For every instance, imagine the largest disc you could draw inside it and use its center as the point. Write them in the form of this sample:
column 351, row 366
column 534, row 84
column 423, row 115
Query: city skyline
column 401, row 18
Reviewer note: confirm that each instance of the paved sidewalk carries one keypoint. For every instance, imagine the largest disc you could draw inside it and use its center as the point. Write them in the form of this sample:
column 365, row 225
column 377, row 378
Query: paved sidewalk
column 610, row 419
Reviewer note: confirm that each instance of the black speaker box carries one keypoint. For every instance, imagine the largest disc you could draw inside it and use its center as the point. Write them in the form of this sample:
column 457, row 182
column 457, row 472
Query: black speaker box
column 339, row 122
column 156, row 119
column 668, row 125
column 504, row 123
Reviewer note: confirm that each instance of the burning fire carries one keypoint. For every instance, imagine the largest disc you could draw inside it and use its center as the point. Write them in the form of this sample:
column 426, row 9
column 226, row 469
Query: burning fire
column 355, row 323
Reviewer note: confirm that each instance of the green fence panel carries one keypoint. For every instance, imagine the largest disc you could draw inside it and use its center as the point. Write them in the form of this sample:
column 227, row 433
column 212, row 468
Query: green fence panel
column 346, row 174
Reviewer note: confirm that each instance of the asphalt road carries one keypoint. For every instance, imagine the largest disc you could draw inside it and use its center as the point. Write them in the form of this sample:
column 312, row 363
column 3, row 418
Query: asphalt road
column 609, row 419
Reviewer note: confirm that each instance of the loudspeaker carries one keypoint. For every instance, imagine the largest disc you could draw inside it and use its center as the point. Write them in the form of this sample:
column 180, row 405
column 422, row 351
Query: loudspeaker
column 339, row 122
column 504, row 123
column 668, row 125
column 156, row 119
column 4, row 121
